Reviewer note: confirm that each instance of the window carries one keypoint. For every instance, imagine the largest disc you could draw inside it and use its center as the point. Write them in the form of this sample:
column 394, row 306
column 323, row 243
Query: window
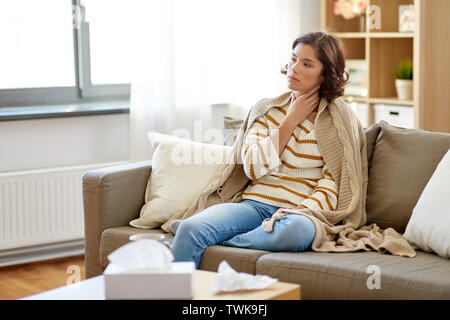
column 50, row 54
column 34, row 52
column 110, row 40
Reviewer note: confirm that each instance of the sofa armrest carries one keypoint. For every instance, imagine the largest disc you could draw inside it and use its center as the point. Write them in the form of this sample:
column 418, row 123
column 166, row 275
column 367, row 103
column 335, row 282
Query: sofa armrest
column 112, row 197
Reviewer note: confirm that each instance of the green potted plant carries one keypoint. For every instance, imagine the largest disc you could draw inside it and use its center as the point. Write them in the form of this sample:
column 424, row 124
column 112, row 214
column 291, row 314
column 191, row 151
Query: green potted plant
column 404, row 79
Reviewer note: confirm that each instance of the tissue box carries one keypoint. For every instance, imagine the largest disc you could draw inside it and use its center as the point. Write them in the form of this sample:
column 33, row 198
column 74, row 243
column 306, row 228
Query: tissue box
column 174, row 283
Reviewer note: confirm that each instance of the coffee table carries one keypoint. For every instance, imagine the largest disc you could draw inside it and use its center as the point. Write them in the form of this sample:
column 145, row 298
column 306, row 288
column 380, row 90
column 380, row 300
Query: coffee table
column 94, row 289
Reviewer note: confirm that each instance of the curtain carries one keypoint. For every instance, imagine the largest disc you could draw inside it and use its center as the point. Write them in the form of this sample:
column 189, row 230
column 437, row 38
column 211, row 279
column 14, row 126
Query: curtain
column 199, row 60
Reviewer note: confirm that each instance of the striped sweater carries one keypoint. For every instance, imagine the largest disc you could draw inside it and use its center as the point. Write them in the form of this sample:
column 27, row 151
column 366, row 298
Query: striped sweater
column 342, row 141
column 298, row 176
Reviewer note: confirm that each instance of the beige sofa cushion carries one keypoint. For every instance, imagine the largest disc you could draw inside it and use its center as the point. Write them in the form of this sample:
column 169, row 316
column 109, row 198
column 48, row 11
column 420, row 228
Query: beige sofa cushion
column 403, row 162
column 181, row 170
column 371, row 138
column 346, row 275
column 240, row 259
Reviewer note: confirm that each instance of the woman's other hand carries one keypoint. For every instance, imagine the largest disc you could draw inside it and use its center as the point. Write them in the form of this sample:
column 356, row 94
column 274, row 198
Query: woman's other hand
column 300, row 206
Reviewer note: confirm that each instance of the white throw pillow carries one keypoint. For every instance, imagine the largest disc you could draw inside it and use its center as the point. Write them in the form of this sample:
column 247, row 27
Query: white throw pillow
column 181, row 170
column 429, row 225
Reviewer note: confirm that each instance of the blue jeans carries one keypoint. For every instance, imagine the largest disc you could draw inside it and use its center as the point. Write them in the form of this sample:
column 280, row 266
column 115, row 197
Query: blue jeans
column 238, row 224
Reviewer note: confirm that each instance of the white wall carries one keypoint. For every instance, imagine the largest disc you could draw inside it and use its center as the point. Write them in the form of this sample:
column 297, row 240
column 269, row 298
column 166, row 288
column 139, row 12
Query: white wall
column 56, row 142
column 310, row 15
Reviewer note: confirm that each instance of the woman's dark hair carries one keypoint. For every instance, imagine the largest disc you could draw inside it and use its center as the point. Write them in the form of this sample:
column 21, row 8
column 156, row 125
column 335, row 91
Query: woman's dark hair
column 330, row 52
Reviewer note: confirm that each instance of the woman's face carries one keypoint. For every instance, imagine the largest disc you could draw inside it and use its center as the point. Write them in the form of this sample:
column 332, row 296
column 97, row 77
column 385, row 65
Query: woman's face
column 304, row 69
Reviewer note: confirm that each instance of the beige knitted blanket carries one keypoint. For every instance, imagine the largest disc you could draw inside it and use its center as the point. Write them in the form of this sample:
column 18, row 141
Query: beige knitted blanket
column 342, row 143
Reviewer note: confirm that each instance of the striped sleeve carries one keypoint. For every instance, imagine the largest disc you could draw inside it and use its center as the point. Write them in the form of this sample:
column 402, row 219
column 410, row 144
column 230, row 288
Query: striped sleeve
column 325, row 194
column 259, row 155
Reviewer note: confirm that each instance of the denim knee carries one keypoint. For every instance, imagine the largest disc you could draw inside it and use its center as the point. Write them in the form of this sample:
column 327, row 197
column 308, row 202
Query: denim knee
column 187, row 229
column 299, row 232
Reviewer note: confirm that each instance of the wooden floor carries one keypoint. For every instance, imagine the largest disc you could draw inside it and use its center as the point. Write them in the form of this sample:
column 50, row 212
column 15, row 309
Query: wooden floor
column 31, row 278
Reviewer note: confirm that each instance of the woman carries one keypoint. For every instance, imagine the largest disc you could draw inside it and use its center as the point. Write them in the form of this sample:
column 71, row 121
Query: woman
column 281, row 157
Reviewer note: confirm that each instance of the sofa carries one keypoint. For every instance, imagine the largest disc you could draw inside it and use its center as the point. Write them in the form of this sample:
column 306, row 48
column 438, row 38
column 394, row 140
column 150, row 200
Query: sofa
column 400, row 163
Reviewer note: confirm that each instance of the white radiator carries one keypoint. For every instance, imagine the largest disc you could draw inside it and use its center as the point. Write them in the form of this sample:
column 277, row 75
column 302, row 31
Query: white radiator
column 44, row 207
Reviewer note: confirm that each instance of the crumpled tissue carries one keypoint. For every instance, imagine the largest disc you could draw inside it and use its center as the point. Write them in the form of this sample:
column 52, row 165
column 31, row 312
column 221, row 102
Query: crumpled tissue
column 142, row 254
column 228, row 280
